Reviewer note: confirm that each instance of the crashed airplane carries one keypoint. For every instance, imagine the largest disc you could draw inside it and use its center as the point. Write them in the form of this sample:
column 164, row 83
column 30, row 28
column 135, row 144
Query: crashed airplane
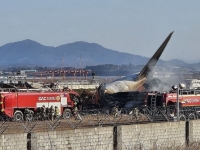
column 135, row 81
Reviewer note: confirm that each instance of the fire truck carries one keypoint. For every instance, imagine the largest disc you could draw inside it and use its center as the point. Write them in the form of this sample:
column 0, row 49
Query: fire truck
column 187, row 98
column 13, row 104
column 164, row 104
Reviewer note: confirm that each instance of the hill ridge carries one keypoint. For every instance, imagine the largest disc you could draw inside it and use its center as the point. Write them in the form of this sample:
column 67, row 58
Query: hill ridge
column 33, row 53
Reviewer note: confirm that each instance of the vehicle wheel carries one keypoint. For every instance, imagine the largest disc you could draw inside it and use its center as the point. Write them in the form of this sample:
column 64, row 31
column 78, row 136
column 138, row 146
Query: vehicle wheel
column 67, row 114
column 18, row 115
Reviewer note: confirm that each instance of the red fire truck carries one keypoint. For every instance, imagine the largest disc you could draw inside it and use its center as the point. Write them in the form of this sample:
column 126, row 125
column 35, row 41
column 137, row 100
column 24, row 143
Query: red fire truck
column 187, row 97
column 13, row 104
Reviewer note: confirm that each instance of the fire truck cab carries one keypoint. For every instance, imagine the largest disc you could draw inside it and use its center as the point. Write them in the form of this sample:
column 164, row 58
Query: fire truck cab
column 13, row 104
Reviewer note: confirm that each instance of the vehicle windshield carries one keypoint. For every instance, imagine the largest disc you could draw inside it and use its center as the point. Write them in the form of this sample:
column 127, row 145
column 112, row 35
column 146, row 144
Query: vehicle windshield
column 74, row 97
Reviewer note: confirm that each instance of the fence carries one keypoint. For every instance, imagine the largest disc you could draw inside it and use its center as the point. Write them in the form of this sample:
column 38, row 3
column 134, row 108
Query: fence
column 84, row 131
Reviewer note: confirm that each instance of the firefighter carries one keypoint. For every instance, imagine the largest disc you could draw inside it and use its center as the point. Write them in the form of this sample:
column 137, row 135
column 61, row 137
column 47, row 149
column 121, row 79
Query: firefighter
column 173, row 113
column 76, row 114
column 43, row 112
column 51, row 112
column 29, row 111
column 136, row 113
column 38, row 113
column 115, row 112
column 28, row 114
column 65, row 89
column 47, row 113
column 75, row 109
column 75, row 100
column 57, row 113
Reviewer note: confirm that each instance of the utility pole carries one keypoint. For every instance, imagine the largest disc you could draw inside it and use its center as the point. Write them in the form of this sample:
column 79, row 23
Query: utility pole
column 177, row 104
column 61, row 69
column 178, row 88
column 80, row 66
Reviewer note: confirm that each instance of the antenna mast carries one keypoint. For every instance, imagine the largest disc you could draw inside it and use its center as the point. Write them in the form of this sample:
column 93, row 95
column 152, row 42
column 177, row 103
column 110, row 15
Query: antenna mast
column 80, row 66
column 61, row 68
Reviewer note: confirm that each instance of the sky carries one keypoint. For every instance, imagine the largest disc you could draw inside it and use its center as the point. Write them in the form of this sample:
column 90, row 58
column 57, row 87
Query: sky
column 131, row 26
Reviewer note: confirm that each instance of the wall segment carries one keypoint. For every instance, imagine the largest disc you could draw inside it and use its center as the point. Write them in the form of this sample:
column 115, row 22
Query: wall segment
column 147, row 136
column 137, row 136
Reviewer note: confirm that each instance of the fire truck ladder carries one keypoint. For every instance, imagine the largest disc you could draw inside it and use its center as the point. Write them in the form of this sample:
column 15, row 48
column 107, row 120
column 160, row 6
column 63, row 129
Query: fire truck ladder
column 157, row 112
column 153, row 102
column 153, row 107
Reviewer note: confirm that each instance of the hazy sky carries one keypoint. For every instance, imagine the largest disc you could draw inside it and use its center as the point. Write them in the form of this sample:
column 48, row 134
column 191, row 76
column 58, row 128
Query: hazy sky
column 132, row 26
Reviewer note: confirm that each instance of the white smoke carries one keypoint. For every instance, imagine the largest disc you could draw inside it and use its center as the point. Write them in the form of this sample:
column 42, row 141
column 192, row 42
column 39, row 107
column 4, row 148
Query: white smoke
column 162, row 78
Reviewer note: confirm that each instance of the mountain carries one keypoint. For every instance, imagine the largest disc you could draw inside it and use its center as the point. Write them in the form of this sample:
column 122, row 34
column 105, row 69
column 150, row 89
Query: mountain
column 174, row 62
column 25, row 52
column 28, row 52
column 177, row 62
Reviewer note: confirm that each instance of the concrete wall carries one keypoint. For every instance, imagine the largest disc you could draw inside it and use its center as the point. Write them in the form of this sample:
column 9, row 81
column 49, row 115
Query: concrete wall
column 194, row 131
column 13, row 141
column 78, row 139
column 141, row 136
column 147, row 136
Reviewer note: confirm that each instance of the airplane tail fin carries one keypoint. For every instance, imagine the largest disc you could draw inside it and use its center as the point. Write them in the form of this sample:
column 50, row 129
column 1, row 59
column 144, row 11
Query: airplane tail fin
column 152, row 62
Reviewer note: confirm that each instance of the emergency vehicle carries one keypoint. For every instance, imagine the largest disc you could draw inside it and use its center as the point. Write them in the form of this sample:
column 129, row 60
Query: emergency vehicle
column 187, row 98
column 13, row 104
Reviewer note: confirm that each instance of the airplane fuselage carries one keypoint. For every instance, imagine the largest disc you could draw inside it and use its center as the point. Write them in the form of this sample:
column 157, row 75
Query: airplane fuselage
column 122, row 86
